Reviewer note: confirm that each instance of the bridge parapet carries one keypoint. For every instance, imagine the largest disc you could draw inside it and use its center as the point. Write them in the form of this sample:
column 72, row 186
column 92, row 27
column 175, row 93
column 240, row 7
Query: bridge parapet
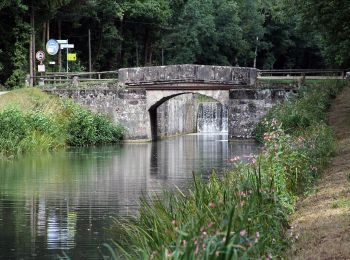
column 237, row 76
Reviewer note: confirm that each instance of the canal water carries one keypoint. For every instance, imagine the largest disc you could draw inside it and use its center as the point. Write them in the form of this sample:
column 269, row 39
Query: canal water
column 61, row 204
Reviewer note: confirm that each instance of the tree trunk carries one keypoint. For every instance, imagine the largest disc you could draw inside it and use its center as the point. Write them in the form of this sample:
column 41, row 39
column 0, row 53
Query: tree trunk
column 145, row 47
column 59, row 35
column 44, row 34
column 32, row 48
column 48, row 30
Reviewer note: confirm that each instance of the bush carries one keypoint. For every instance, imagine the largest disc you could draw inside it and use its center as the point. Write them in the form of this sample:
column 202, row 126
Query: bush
column 307, row 109
column 87, row 128
column 38, row 131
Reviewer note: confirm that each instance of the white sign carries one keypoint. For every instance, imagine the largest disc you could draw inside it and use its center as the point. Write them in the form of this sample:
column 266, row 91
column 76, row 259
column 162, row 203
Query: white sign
column 52, row 47
column 62, row 41
column 40, row 56
column 67, row 46
column 41, row 68
column 52, row 62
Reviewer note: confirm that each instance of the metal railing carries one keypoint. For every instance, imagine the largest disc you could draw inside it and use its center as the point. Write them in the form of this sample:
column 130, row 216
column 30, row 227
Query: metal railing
column 307, row 73
column 78, row 78
column 53, row 78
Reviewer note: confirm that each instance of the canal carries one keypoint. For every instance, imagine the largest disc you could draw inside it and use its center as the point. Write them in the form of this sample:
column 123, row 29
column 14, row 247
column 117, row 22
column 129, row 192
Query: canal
column 61, row 204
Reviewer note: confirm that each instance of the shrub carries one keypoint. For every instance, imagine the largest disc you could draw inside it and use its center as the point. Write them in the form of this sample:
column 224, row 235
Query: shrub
column 308, row 108
column 86, row 128
column 39, row 130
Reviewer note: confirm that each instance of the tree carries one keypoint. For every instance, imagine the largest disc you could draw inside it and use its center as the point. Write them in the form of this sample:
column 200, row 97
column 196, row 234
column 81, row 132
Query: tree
column 331, row 19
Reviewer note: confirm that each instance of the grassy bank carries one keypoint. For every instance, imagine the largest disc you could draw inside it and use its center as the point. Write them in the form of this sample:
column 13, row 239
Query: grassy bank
column 32, row 120
column 244, row 213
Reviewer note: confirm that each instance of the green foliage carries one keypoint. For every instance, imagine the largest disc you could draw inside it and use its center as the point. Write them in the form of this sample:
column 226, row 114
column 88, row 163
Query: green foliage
column 39, row 129
column 149, row 32
column 330, row 19
column 87, row 128
column 308, row 108
column 25, row 132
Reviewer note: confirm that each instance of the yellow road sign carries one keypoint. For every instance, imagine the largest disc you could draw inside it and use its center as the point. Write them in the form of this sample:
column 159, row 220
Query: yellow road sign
column 71, row 56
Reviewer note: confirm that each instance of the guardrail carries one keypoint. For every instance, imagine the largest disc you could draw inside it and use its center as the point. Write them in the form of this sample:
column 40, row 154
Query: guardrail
column 307, row 73
column 74, row 77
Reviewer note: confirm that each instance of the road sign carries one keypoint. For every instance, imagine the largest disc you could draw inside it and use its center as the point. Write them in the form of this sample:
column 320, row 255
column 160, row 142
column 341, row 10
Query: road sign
column 40, row 56
column 71, row 56
column 62, row 41
column 41, row 68
column 67, row 46
column 52, row 47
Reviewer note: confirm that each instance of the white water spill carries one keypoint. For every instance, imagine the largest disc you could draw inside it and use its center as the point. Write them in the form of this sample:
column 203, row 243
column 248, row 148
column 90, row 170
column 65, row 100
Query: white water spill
column 212, row 118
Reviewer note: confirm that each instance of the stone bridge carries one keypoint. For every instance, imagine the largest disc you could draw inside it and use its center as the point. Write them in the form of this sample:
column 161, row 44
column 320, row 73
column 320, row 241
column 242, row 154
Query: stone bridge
column 141, row 103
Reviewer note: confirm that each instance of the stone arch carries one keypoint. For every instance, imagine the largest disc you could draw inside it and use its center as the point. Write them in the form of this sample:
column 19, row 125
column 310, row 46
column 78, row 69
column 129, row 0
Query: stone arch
column 157, row 97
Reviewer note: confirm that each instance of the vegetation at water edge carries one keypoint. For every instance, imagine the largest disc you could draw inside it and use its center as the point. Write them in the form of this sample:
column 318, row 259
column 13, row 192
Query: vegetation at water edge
column 32, row 120
column 244, row 213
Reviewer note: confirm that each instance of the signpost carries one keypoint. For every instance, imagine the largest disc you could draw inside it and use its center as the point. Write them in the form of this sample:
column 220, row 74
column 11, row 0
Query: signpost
column 40, row 56
column 67, row 46
column 72, row 57
column 52, row 47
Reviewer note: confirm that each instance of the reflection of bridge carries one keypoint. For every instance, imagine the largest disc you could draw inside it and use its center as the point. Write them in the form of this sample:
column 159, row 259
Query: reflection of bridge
column 144, row 90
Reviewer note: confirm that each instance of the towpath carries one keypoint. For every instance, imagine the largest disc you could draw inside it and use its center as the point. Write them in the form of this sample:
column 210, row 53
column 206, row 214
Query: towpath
column 321, row 225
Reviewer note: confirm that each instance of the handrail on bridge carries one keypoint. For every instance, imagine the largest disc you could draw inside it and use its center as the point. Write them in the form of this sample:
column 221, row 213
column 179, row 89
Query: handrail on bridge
column 64, row 77
column 304, row 72
column 112, row 75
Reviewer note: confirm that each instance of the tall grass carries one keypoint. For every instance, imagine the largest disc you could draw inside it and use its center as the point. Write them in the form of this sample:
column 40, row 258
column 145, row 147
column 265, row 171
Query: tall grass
column 31, row 120
column 307, row 108
column 244, row 213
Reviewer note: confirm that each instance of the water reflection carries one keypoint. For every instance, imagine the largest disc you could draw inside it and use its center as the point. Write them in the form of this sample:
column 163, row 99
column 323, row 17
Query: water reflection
column 65, row 200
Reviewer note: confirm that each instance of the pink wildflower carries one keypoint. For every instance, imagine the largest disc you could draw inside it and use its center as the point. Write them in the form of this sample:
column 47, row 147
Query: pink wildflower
column 242, row 233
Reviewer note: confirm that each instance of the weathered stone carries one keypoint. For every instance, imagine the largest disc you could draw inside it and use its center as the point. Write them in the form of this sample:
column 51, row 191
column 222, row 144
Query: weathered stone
column 248, row 107
column 158, row 101
column 188, row 73
column 347, row 75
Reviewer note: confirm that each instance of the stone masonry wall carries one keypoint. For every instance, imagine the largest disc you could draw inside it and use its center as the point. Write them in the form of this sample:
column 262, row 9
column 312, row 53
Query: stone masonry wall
column 248, row 107
column 177, row 116
column 128, row 108
column 125, row 107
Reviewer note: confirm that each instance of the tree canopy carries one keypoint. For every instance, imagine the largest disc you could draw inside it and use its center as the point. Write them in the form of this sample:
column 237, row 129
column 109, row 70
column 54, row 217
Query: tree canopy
column 285, row 33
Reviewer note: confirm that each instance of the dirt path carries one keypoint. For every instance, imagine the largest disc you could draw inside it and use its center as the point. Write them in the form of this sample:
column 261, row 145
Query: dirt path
column 322, row 221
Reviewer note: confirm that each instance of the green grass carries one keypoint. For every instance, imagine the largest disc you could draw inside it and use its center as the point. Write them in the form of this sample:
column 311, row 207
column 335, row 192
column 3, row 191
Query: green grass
column 32, row 120
column 308, row 108
column 244, row 213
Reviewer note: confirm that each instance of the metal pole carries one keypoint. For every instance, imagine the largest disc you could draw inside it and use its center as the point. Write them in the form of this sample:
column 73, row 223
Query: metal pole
column 162, row 56
column 137, row 55
column 90, row 66
column 67, row 62
column 256, row 51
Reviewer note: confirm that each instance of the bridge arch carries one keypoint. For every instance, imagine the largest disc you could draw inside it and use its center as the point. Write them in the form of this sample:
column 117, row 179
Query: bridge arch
column 155, row 98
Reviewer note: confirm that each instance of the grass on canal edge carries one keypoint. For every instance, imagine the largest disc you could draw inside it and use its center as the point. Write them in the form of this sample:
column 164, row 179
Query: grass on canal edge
column 243, row 214
column 32, row 120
